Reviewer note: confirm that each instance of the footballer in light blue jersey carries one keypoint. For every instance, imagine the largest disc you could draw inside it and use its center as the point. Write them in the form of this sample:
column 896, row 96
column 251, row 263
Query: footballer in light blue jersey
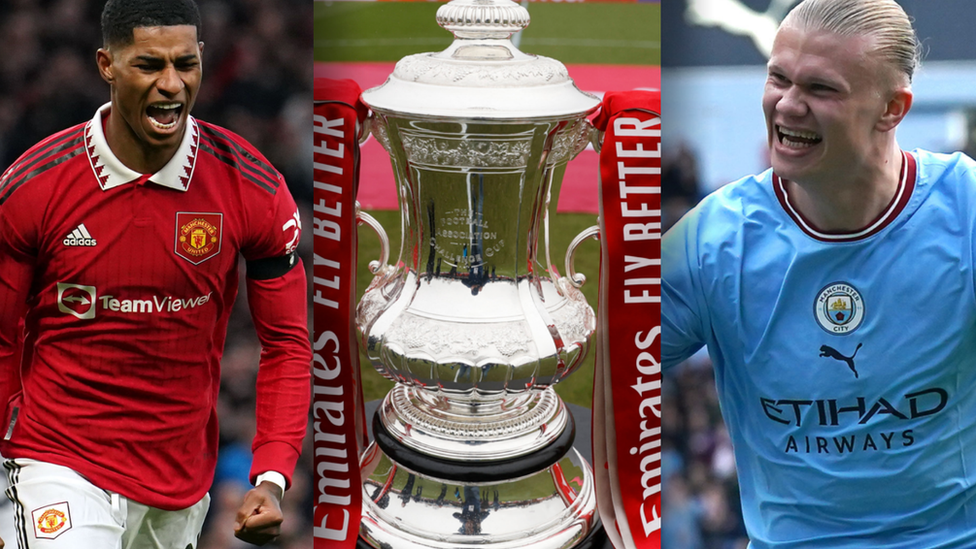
column 836, row 294
column 845, row 363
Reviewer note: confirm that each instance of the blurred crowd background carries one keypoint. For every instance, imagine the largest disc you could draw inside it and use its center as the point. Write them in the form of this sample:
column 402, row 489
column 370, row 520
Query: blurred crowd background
column 257, row 82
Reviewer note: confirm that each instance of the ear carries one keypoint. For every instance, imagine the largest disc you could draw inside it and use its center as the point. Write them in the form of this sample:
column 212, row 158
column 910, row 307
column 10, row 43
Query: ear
column 103, row 58
column 899, row 103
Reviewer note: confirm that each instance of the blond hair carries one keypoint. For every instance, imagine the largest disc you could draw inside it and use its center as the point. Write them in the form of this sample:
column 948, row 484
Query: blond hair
column 884, row 21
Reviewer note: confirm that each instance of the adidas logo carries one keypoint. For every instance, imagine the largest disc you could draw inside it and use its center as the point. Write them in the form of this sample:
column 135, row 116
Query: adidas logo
column 79, row 237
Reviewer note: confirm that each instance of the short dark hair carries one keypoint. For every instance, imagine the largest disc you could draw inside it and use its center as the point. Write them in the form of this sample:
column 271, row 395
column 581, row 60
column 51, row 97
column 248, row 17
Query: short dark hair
column 120, row 17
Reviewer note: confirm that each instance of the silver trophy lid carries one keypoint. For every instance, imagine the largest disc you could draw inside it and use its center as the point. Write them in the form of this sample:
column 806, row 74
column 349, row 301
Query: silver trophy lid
column 482, row 75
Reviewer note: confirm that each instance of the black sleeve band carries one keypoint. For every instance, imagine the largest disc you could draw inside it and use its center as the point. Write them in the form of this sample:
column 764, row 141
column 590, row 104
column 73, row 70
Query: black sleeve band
column 271, row 267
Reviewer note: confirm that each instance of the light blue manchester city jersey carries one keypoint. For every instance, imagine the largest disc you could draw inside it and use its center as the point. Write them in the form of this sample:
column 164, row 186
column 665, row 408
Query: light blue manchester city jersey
column 845, row 363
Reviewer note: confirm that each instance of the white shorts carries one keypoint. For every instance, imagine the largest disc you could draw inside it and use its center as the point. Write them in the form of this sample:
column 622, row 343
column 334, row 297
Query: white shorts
column 56, row 508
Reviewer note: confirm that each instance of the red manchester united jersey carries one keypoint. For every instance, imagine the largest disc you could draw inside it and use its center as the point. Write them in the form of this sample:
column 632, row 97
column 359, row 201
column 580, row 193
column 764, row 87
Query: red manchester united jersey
column 115, row 292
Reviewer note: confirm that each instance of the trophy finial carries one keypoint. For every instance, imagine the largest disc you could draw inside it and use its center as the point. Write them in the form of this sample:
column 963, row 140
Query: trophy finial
column 483, row 19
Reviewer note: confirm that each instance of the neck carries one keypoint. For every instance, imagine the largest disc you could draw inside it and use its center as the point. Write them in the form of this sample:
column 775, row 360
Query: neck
column 850, row 202
column 136, row 154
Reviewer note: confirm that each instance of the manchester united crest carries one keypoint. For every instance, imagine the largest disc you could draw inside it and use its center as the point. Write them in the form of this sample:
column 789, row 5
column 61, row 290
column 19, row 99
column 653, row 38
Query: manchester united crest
column 51, row 521
column 198, row 235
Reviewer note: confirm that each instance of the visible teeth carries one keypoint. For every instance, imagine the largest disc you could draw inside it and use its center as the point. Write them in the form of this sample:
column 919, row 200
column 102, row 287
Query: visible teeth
column 801, row 135
column 160, row 125
column 163, row 107
column 795, row 139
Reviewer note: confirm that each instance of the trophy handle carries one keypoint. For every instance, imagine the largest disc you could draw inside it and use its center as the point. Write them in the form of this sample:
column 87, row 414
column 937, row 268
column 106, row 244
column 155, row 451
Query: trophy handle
column 578, row 279
column 595, row 137
column 363, row 130
column 364, row 218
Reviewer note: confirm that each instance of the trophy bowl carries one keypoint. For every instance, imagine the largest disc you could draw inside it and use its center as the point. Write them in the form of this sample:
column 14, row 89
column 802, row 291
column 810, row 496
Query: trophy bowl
column 473, row 323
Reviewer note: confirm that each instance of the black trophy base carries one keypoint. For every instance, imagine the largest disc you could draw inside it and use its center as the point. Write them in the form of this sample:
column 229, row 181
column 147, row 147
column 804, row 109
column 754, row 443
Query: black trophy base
column 474, row 471
column 493, row 471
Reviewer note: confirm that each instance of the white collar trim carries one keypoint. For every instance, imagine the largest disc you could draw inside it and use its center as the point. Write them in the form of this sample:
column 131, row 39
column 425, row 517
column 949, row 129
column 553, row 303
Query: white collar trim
column 111, row 172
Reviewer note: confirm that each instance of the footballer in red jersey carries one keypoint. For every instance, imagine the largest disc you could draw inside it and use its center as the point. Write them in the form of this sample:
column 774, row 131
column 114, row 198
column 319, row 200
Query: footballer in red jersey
column 119, row 247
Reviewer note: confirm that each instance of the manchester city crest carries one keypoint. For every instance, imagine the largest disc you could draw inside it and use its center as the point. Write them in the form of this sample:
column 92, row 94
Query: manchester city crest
column 839, row 308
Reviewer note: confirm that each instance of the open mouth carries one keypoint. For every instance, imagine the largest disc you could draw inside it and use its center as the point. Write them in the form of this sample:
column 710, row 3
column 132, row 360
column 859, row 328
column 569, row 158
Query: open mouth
column 164, row 116
column 796, row 139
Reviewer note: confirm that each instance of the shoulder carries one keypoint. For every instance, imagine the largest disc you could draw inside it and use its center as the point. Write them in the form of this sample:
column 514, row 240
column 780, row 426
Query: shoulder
column 946, row 178
column 722, row 221
column 42, row 157
column 932, row 165
column 931, row 158
column 743, row 195
column 236, row 152
column 732, row 205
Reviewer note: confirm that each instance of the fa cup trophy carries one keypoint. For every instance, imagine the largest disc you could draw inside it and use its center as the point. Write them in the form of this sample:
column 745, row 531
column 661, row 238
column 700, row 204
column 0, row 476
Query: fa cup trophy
column 475, row 324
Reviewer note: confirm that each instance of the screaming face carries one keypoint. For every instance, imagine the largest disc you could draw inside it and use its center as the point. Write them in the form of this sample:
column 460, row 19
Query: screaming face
column 154, row 81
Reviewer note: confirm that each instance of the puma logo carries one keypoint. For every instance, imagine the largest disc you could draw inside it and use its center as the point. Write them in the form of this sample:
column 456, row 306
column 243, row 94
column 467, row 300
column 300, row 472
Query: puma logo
column 735, row 17
column 827, row 351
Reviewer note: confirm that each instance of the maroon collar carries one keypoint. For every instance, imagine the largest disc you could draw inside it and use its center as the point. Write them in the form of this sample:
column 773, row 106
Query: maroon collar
column 906, row 184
